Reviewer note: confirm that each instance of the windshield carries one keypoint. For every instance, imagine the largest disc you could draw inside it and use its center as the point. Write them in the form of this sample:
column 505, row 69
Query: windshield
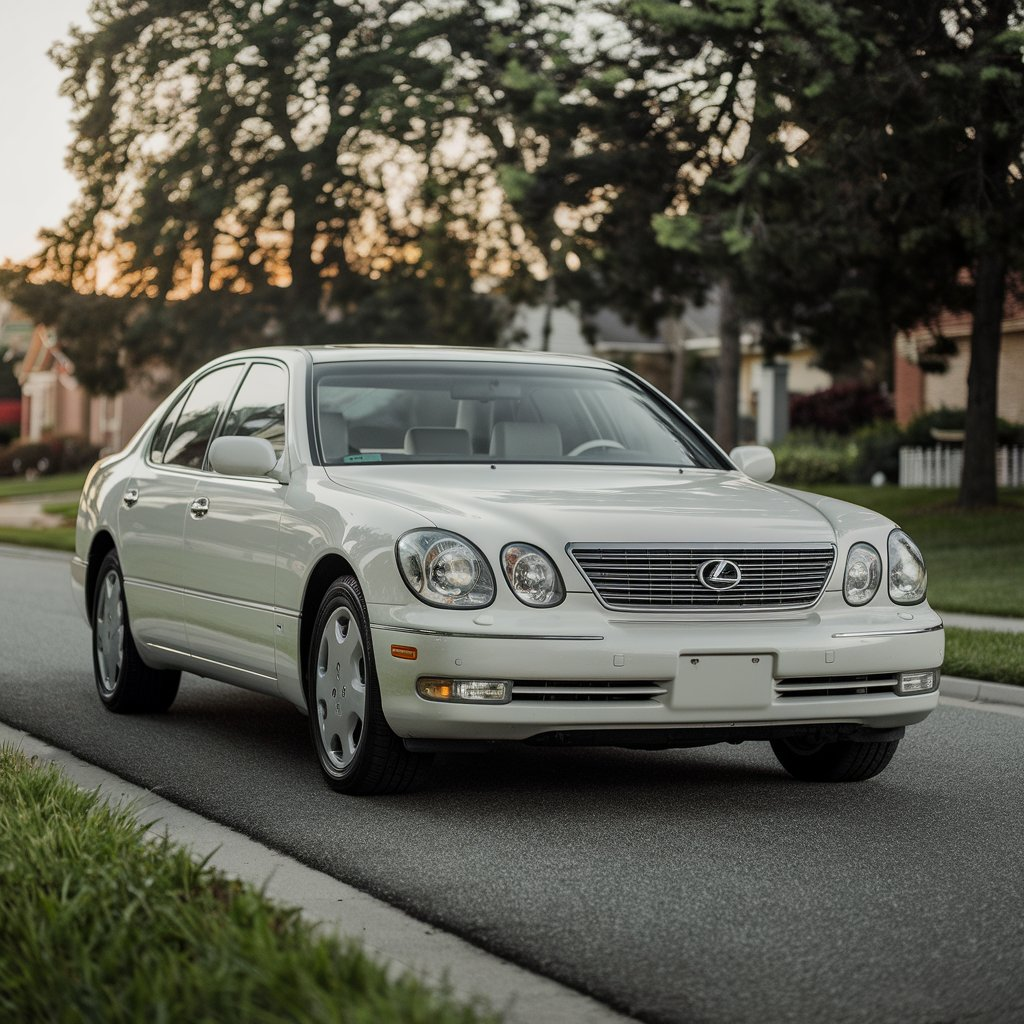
column 423, row 411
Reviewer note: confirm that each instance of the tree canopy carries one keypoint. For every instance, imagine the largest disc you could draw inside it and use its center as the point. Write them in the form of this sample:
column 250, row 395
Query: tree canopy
column 308, row 170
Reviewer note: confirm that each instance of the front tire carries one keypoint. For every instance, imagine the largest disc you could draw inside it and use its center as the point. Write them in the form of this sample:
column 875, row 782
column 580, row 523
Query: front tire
column 124, row 681
column 838, row 761
column 357, row 751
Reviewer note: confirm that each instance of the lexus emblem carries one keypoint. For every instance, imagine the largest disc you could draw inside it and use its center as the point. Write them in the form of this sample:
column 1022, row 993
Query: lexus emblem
column 719, row 574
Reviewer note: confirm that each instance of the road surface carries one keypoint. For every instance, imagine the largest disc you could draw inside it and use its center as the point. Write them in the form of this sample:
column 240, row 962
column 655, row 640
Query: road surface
column 700, row 885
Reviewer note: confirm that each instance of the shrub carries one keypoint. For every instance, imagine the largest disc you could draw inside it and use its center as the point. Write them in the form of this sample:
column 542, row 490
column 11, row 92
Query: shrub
column 807, row 458
column 878, row 449
column 58, row 454
column 918, row 432
column 840, row 409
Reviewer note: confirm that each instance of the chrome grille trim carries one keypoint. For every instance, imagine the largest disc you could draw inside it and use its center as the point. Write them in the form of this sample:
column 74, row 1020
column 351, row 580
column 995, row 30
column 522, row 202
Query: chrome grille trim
column 663, row 577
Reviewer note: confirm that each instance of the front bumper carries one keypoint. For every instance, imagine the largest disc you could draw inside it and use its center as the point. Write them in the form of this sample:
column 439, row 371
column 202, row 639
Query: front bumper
column 693, row 671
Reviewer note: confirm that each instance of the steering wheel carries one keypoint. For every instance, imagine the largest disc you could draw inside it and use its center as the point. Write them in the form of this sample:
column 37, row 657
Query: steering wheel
column 597, row 442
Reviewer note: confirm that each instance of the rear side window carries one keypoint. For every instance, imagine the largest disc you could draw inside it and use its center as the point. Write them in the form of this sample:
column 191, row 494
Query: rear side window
column 156, row 450
column 258, row 408
column 191, row 434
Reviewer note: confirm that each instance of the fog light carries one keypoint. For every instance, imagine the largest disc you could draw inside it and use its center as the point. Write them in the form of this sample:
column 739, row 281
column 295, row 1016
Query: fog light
column 490, row 691
column 918, row 682
column 465, row 691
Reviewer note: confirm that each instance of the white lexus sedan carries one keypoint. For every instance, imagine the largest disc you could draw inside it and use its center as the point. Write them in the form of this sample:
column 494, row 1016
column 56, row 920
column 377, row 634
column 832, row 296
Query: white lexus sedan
column 431, row 549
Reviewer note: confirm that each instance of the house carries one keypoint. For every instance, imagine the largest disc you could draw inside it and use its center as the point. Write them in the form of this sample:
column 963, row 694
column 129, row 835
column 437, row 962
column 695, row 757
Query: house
column 694, row 337
column 53, row 401
column 916, row 391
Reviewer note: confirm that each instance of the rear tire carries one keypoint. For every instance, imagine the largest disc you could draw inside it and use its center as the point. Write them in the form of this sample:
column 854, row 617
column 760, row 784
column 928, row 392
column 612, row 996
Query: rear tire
column 357, row 751
column 124, row 681
column 838, row 761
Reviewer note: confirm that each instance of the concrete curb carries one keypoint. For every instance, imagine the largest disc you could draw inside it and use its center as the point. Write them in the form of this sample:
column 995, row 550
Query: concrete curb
column 978, row 691
column 401, row 942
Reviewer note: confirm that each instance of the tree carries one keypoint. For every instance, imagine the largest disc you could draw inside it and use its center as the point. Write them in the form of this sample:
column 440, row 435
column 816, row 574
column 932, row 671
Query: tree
column 257, row 172
column 869, row 156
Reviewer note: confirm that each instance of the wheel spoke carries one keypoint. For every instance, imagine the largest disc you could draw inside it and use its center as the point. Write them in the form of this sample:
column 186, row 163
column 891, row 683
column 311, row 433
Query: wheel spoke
column 340, row 687
column 109, row 631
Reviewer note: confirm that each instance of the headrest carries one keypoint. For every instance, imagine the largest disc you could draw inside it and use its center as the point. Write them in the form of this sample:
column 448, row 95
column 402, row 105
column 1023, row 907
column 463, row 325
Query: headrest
column 333, row 435
column 437, row 441
column 526, row 440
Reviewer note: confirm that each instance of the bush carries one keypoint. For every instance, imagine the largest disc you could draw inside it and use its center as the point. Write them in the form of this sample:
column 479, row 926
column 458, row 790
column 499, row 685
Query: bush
column 840, row 409
column 878, row 450
column 918, row 433
column 807, row 458
column 59, row 454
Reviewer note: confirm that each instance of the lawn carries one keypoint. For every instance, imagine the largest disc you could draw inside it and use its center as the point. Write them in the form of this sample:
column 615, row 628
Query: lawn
column 101, row 923
column 985, row 654
column 974, row 558
column 59, row 483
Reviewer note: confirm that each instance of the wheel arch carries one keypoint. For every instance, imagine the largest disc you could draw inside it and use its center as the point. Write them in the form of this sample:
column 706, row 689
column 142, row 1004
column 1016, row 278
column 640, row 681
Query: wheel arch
column 102, row 544
column 325, row 572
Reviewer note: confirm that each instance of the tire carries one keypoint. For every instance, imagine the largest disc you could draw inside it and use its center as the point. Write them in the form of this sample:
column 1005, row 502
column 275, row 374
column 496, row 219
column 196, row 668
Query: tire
column 125, row 683
column 838, row 761
column 357, row 751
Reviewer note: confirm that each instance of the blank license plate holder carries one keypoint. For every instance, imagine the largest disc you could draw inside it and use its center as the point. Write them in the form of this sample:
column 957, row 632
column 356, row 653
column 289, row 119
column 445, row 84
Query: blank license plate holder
column 723, row 681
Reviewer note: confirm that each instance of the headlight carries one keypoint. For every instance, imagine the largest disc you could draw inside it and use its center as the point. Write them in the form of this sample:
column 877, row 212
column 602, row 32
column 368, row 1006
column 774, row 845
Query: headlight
column 908, row 578
column 863, row 574
column 532, row 575
column 443, row 569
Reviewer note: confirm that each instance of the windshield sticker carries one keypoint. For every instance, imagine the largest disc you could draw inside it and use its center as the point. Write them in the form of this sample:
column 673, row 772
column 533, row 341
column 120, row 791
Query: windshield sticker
column 363, row 458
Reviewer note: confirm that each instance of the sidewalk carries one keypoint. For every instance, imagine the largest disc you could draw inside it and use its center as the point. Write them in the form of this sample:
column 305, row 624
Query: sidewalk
column 998, row 623
column 28, row 512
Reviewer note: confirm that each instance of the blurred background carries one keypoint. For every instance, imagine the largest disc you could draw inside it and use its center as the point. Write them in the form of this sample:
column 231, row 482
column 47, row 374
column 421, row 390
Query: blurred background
column 800, row 219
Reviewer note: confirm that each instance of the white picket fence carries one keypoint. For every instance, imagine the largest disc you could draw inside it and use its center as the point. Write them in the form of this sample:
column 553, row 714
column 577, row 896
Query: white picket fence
column 941, row 467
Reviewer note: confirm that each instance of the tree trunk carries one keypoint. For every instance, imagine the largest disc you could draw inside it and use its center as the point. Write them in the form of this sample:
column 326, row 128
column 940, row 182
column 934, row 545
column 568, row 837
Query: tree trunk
column 675, row 338
column 549, row 309
column 978, row 483
column 727, row 385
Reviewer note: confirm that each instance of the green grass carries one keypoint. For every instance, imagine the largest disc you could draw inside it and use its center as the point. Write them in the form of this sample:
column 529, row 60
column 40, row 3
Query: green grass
column 101, row 924
column 59, row 483
column 974, row 558
column 65, row 509
column 56, row 538
column 985, row 654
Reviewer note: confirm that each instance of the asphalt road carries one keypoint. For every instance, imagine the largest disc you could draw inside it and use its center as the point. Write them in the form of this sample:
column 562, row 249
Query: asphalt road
column 683, row 886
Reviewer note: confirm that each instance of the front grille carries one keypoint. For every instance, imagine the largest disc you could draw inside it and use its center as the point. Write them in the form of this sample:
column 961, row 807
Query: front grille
column 835, row 686
column 637, row 577
column 585, row 690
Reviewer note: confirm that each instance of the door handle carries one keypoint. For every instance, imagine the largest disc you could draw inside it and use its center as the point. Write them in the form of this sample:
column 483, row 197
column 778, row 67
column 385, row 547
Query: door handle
column 130, row 497
column 199, row 508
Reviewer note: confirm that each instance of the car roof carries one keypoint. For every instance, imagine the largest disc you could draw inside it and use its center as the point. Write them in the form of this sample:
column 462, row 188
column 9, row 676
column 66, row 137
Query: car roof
column 348, row 353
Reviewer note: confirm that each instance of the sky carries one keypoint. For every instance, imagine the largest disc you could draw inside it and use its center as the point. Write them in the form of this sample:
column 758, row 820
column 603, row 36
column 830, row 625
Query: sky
column 35, row 188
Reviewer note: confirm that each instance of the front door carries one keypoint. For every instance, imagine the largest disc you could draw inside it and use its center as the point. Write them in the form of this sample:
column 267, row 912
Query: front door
column 230, row 546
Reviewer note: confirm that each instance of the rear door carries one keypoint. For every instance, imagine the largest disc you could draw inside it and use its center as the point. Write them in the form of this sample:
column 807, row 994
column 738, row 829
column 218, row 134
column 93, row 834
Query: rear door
column 153, row 510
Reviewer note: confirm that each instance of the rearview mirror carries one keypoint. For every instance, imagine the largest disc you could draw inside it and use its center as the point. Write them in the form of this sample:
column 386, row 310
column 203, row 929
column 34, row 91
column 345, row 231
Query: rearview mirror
column 755, row 460
column 242, row 456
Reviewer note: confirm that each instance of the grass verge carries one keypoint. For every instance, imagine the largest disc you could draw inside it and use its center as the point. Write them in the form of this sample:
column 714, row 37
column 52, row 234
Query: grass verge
column 56, row 538
column 100, row 923
column 985, row 654
column 973, row 557
column 59, row 483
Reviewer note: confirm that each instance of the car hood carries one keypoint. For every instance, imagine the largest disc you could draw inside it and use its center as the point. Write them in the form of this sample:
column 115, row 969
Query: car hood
column 595, row 504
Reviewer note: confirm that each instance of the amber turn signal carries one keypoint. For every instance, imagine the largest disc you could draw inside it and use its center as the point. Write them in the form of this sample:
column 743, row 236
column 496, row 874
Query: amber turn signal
column 405, row 653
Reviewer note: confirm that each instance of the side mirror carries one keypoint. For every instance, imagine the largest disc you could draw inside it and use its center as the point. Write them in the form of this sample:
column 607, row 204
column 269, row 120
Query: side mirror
column 242, row 456
column 755, row 460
